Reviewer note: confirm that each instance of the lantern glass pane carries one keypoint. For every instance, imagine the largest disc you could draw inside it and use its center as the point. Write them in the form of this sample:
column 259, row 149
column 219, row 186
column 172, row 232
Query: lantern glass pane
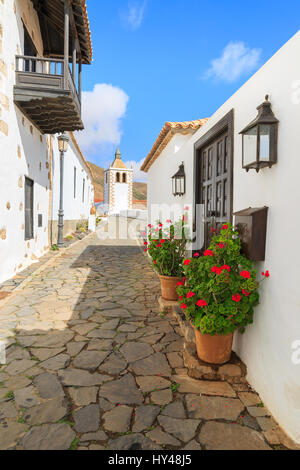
column 177, row 185
column 264, row 142
column 173, row 186
column 250, row 146
column 182, row 185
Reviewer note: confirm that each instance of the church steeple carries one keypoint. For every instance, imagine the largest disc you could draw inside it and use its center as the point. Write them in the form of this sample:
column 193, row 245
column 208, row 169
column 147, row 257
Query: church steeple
column 118, row 153
column 118, row 163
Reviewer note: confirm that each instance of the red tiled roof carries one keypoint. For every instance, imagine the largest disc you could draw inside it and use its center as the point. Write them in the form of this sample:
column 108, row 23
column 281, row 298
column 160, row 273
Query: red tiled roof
column 166, row 134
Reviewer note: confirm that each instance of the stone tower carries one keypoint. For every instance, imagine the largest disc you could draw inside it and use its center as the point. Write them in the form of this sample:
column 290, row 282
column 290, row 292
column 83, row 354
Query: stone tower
column 118, row 184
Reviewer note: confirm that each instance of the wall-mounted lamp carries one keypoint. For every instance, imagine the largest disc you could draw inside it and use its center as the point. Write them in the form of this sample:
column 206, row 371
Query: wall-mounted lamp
column 178, row 182
column 260, row 139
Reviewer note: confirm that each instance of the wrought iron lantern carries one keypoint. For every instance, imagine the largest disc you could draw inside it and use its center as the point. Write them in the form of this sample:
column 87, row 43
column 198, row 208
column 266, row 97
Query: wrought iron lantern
column 260, row 139
column 63, row 142
column 178, row 182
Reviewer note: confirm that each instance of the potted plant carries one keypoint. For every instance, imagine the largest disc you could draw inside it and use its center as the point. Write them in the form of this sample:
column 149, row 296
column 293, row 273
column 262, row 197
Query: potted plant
column 219, row 295
column 166, row 246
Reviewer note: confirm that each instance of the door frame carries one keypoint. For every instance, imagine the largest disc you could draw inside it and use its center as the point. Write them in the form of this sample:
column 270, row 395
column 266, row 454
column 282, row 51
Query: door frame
column 224, row 124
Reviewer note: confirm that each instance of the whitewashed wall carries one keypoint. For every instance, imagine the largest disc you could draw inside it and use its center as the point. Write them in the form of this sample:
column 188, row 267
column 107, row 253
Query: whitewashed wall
column 23, row 151
column 74, row 207
column 159, row 186
column 266, row 347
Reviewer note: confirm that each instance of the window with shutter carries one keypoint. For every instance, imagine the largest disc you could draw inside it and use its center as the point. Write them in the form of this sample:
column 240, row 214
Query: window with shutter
column 28, row 209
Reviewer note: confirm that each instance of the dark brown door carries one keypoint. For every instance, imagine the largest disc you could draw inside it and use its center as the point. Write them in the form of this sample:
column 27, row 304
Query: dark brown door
column 215, row 182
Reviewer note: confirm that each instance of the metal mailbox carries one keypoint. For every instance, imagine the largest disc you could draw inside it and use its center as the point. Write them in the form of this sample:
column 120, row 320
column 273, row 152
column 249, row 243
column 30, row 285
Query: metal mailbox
column 251, row 224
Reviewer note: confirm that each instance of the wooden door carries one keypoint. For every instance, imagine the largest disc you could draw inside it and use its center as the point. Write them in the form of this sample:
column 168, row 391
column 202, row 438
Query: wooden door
column 215, row 185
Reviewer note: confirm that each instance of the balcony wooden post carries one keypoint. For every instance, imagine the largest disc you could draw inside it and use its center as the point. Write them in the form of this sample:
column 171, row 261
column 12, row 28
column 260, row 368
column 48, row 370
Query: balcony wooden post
column 74, row 62
column 80, row 79
column 66, row 43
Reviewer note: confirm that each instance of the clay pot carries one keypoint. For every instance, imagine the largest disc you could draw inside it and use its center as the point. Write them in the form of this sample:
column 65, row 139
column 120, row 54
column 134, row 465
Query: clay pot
column 168, row 287
column 213, row 349
column 93, row 210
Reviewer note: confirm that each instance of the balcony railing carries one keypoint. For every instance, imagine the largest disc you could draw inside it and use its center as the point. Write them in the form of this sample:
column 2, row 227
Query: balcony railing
column 46, row 92
column 44, row 74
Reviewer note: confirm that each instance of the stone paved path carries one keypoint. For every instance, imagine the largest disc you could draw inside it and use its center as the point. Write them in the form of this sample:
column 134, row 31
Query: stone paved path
column 92, row 364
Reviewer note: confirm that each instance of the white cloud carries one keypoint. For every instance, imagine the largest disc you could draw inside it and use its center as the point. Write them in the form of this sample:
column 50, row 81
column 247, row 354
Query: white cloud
column 236, row 60
column 138, row 175
column 102, row 111
column 133, row 16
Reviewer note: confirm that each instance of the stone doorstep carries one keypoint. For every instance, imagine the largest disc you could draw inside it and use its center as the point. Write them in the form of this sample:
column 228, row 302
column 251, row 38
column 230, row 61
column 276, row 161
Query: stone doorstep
column 166, row 306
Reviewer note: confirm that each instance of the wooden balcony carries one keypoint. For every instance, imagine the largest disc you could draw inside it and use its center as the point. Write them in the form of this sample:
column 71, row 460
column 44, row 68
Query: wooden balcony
column 46, row 92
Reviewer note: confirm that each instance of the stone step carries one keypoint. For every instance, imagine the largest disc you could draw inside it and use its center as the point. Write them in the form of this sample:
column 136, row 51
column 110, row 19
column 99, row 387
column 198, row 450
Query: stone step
column 234, row 371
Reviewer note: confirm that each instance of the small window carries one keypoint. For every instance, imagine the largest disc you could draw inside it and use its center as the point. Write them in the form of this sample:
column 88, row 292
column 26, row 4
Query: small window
column 83, row 189
column 75, row 181
column 28, row 209
column 124, row 178
column 118, row 177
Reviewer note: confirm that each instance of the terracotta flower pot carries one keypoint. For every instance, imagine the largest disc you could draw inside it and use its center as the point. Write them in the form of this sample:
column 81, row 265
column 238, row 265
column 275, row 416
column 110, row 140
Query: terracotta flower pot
column 168, row 287
column 213, row 349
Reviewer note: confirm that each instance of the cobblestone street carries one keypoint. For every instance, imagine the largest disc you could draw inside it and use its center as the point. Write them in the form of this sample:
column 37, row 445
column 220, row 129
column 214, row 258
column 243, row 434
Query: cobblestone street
column 93, row 364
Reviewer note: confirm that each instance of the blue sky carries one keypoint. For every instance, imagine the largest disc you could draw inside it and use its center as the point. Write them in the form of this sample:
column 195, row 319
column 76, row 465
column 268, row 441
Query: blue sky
column 171, row 60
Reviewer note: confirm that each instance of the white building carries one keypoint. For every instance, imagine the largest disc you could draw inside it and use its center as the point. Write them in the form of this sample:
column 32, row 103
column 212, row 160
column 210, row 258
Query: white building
column 78, row 189
column 118, row 186
column 39, row 97
column 271, row 346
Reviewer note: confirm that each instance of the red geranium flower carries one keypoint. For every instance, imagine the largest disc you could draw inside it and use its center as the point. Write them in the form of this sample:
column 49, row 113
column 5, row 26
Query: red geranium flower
column 159, row 245
column 162, row 241
column 216, row 270
column 236, row 298
column 208, row 253
column 145, row 243
column 202, row 303
column 225, row 227
column 183, row 306
column 245, row 292
column 149, row 225
column 267, row 274
column 180, row 297
column 196, row 255
column 179, row 284
column 146, row 249
column 226, row 268
column 189, row 295
column 154, row 261
column 245, row 274
column 186, row 208
column 187, row 262
column 160, row 225
column 221, row 245
column 169, row 221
